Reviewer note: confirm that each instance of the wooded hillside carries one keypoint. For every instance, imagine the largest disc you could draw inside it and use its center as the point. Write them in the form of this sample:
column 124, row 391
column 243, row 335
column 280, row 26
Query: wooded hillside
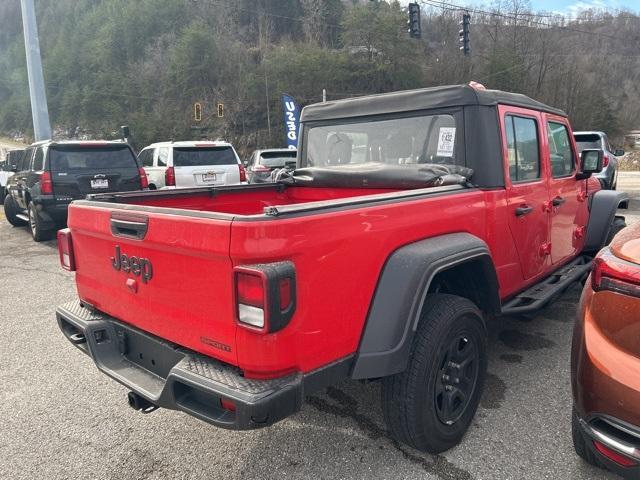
column 145, row 62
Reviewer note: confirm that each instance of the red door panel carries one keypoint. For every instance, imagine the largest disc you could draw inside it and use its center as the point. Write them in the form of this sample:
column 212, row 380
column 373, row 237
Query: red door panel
column 527, row 188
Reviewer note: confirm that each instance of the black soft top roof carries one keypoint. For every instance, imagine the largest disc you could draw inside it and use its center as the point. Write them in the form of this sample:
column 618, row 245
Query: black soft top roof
column 419, row 99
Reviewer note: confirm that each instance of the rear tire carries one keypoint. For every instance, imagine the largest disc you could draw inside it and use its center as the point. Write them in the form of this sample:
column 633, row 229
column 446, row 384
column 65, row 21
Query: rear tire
column 431, row 404
column 579, row 442
column 38, row 233
column 11, row 210
column 617, row 225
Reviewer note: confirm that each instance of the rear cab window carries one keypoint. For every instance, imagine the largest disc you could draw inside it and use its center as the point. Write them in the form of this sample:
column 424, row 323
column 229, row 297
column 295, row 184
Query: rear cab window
column 420, row 139
column 523, row 148
column 69, row 158
column 203, row 156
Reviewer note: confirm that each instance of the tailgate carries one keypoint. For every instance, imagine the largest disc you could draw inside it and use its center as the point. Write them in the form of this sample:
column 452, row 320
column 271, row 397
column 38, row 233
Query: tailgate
column 179, row 280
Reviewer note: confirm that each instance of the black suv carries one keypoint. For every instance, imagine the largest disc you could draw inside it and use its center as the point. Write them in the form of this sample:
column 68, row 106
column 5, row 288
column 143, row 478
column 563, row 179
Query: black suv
column 52, row 174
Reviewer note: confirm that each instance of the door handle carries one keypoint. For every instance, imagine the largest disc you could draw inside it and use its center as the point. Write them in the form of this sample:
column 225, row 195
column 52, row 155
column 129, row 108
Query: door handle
column 558, row 201
column 523, row 210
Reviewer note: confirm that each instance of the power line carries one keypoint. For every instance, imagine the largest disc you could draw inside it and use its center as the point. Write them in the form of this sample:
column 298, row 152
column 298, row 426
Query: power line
column 513, row 16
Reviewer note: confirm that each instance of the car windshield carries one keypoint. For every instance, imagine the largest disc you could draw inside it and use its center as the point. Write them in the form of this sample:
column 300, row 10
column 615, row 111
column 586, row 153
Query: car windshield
column 588, row 141
column 203, row 156
column 277, row 159
column 63, row 158
column 426, row 139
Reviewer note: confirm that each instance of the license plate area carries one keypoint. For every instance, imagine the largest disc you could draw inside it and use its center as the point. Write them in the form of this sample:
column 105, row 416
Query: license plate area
column 99, row 183
column 147, row 352
column 209, row 177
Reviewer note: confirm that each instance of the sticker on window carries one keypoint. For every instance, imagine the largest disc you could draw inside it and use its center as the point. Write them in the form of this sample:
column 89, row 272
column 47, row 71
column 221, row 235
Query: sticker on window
column 446, row 140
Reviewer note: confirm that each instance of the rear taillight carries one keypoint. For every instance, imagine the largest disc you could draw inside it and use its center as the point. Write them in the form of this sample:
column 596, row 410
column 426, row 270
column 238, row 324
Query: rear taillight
column 65, row 250
column 265, row 295
column 46, row 185
column 144, row 181
column 170, row 177
column 243, row 173
column 613, row 455
column 605, row 160
column 261, row 169
column 614, row 274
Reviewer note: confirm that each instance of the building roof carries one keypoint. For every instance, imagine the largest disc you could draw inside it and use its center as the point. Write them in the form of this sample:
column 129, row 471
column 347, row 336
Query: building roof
column 419, row 99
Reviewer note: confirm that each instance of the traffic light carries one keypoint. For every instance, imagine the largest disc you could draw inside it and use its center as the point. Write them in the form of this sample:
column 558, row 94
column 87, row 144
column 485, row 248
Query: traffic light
column 197, row 112
column 220, row 110
column 464, row 33
column 414, row 21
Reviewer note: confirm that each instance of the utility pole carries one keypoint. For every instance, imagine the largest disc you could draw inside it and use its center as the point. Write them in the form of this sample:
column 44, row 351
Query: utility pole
column 39, row 110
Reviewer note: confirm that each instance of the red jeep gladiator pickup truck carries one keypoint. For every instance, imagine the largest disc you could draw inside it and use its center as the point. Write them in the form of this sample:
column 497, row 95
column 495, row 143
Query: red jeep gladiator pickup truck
column 411, row 217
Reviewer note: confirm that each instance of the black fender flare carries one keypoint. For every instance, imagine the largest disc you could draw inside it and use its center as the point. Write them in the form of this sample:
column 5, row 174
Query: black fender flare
column 395, row 310
column 602, row 211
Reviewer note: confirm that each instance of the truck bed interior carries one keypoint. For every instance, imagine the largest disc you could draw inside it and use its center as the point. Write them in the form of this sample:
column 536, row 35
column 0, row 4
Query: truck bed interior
column 244, row 200
column 306, row 186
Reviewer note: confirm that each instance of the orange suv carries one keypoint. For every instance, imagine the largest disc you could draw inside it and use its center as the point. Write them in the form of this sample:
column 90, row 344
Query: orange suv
column 605, row 359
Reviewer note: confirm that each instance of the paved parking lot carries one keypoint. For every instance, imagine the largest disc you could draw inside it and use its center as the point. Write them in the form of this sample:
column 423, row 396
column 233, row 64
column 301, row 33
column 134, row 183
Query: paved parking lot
column 61, row 418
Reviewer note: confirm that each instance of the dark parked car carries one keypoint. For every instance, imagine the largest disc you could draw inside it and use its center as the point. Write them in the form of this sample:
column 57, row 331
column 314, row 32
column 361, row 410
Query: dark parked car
column 263, row 162
column 52, row 174
column 609, row 175
column 605, row 360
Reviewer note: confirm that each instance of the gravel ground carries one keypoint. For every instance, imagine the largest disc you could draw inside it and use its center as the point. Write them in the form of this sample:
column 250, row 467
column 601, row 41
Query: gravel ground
column 62, row 419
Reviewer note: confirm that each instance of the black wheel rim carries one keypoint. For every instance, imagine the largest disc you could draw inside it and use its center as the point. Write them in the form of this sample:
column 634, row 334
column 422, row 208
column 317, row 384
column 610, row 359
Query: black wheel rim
column 457, row 377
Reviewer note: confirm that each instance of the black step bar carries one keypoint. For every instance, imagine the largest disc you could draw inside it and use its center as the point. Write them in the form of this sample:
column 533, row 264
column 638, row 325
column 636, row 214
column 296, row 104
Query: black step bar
column 539, row 295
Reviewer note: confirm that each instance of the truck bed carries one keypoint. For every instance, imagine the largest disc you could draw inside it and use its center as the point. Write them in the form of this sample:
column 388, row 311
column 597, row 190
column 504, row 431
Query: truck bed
column 337, row 238
column 257, row 199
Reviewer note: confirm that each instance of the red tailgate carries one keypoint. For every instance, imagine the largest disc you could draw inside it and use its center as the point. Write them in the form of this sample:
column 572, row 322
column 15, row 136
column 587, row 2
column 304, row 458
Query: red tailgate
column 178, row 286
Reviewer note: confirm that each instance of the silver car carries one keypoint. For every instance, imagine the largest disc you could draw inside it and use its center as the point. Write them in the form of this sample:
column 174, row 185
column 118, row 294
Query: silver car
column 609, row 175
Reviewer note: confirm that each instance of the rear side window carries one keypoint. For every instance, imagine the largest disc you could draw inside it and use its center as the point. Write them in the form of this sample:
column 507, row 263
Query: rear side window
column 69, row 158
column 146, row 157
column 38, row 160
column 523, row 148
column 588, row 140
column 277, row 159
column 163, row 157
column 203, row 156
column 560, row 153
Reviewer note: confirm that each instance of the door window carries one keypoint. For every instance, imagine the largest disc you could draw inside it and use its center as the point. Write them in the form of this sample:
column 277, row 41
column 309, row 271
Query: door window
column 560, row 152
column 38, row 160
column 146, row 157
column 523, row 148
column 163, row 157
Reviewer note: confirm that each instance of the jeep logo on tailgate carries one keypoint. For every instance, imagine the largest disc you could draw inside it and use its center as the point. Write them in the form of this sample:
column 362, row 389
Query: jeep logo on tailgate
column 140, row 267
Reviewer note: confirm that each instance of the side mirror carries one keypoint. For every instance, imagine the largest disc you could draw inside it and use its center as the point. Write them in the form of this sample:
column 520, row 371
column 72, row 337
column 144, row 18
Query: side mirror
column 619, row 152
column 590, row 163
column 14, row 168
column 245, row 163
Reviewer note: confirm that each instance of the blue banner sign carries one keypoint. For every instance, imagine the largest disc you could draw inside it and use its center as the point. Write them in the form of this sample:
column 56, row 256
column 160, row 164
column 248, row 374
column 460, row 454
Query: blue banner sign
column 291, row 120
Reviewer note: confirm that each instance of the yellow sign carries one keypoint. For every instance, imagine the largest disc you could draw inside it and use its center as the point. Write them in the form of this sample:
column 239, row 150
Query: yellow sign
column 221, row 110
column 197, row 112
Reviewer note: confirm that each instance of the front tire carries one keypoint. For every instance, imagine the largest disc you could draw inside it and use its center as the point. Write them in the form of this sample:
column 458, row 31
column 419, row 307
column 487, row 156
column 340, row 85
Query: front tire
column 38, row 233
column 431, row 404
column 11, row 210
